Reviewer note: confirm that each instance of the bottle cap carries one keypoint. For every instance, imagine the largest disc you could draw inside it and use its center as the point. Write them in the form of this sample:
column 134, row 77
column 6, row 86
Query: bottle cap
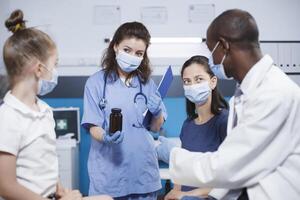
column 116, row 110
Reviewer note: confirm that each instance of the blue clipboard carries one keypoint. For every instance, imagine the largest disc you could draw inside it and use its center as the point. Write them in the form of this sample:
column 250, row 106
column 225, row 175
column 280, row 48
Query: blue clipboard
column 162, row 88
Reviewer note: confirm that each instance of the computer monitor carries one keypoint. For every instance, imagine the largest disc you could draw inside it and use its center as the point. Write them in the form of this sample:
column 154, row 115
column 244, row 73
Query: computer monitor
column 67, row 121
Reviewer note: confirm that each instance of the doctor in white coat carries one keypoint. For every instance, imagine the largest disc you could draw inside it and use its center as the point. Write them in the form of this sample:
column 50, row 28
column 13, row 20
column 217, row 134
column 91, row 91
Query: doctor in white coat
column 261, row 154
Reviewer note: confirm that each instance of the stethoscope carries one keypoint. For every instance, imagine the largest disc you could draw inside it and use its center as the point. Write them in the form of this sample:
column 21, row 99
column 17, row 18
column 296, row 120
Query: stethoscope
column 103, row 101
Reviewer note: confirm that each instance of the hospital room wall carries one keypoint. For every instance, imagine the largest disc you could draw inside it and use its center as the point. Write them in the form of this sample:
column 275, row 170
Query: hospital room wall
column 4, row 7
column 72, row 24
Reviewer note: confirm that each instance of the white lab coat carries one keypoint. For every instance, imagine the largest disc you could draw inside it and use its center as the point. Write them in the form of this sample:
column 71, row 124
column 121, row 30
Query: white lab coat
column 262, row 152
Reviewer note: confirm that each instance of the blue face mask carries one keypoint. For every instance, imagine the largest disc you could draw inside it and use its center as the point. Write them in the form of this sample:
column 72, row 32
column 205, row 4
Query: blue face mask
column 218, row 69
column 197, row 93
column 127, row 62
column 46, row 86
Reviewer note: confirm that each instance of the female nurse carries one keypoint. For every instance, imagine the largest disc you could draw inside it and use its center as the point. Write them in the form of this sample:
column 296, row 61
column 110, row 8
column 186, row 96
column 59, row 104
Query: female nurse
column 207, row 114
column 124, row 164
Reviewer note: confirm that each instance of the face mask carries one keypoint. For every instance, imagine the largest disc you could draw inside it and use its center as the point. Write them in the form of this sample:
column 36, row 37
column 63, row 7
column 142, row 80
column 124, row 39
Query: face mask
column 218, row 69
column 197, row 93
column 46, row 86
column 127, row 62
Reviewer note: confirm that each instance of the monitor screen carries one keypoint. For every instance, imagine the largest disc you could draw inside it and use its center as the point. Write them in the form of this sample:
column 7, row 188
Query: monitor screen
column 67, row 121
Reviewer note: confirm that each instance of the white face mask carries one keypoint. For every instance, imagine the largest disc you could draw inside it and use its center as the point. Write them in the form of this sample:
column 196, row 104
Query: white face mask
column 127, row 62
column 46, row 86
column 218, row 69
column 197, row 93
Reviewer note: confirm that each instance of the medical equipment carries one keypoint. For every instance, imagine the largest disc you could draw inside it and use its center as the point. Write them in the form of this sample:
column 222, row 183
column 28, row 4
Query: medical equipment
column 67, row 131
column 68, row 161
column 67, row 121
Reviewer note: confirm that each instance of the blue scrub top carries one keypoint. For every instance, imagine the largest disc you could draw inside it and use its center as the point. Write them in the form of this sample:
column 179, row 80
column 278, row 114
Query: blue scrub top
column 206, row 137
column 130, row 167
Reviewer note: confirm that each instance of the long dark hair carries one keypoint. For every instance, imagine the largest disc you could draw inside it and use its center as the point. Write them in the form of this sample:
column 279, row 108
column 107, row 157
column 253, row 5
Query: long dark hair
column 217, row 102
column 126, row 31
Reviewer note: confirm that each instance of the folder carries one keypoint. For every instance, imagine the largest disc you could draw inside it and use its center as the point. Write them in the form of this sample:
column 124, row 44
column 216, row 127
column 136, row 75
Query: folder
column 162, row 88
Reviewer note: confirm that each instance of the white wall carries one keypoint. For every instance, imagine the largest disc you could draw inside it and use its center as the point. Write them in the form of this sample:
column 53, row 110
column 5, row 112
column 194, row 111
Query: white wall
column 80, row 41
column 4, row 7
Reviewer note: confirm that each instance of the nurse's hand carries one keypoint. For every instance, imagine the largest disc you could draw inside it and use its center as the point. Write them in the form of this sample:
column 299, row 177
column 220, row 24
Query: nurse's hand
column 115, row 138
column 153, row 103
column 164, row 149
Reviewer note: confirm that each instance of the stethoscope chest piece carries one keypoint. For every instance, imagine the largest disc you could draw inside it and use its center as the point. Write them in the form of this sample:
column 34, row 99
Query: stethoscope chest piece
column 102, row 103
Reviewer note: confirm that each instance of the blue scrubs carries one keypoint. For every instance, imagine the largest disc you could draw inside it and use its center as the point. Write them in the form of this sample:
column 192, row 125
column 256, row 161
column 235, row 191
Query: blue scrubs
column 131, row 167
column 206, row 137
